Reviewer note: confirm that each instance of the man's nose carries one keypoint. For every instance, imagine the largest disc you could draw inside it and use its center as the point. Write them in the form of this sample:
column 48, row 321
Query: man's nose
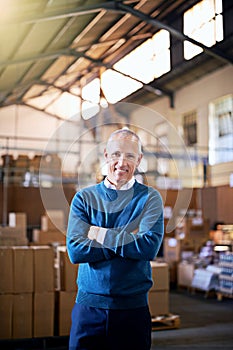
column 122, row 158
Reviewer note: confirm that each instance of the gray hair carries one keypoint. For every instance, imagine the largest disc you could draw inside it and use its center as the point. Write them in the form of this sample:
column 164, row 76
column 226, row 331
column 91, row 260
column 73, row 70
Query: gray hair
column 126, row 132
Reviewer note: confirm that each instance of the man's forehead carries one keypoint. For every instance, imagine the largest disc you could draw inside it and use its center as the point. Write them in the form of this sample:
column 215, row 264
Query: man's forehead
column 120, row 138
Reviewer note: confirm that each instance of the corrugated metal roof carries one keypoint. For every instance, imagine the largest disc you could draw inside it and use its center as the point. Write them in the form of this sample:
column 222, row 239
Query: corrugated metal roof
column 49, row 47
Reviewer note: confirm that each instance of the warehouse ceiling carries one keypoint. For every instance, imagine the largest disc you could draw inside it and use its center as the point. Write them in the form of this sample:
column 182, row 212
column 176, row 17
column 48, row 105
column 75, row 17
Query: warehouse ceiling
column 49, row 48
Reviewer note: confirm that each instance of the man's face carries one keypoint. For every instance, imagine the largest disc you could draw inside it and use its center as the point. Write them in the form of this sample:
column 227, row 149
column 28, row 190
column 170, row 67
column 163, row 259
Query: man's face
column 123, row 157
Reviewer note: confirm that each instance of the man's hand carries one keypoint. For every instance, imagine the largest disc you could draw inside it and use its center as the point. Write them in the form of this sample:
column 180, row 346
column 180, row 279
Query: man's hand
column 97, row 233
column 93, row 232
column 135, row 231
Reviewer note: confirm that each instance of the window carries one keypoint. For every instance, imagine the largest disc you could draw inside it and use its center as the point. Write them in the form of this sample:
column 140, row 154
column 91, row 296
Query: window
column 221, row 130
column 225, row 122
column 153, row 58
column 203, row 23
column 161, row 132
column 190, row 128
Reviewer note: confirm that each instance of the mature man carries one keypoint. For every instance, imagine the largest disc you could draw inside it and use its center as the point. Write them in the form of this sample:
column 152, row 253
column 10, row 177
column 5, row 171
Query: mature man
column 115, row 229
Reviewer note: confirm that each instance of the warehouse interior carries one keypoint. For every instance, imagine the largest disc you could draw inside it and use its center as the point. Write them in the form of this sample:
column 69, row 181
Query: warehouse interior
column 73, row 71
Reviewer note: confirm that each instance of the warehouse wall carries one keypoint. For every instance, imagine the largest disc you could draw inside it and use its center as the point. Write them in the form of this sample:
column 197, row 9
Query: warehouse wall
column 21, row 121
column 24, row 130
column 195, row 96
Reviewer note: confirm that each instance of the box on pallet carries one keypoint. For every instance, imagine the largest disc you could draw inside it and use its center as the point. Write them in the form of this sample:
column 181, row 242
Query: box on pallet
column 67, row 274
column 6, row 307
column 158, row 296
column 6, row 270
column 22, row 269
column 43, row 314
column 43, row 263
column 160, row 276
column 158, row 302
column 22, row 315
column 64, row 305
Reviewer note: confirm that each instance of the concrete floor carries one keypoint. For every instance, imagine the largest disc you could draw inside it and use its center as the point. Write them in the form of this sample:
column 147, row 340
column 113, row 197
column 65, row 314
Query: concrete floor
column 206, row 323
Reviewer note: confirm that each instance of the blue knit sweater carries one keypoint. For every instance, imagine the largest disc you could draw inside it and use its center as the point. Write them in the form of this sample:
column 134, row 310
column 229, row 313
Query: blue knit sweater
column 117, row 274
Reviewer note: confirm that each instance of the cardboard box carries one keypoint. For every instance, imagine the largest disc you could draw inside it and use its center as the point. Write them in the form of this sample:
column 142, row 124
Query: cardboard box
column 43, row 264
column 43, row 314
column 22, row 269
column 6, row 270
column 48, row 237
column 67, row 271
column 53, row 220
column 10, row 236
column 65, row 304
column 18, row 220
column 185, row 273
column 6, row 307
column 158, row 302
column 22, row 316
column 160, row 275
column 171, row 249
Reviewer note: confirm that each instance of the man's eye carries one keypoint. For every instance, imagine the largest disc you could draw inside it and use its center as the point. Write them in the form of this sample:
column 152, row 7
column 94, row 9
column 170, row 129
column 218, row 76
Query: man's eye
column 130, row 156
column 116, row 154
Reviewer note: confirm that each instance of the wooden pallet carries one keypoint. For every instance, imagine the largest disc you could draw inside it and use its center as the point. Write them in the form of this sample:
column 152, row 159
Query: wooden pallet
column 221, row 295
column 206, row 293
column 164, row 322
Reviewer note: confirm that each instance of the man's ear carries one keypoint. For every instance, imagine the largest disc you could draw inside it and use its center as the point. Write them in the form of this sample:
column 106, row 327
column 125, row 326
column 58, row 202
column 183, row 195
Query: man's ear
column 105, row 154
column 139, row 159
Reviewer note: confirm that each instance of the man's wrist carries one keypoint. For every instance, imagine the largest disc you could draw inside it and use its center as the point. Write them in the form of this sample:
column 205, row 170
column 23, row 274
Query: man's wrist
column 101, row 235
column 97, row 233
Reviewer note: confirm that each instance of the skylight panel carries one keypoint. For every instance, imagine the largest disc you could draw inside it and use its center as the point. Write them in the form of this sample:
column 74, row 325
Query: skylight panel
column 91, row 91
column 116, row 86
column 139, row 63
column 65, row 106
column 203, row 23
column 148, row 61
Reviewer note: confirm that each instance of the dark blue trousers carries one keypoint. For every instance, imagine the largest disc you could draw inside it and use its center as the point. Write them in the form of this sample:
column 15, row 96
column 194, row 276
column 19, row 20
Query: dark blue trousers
column 100, row 329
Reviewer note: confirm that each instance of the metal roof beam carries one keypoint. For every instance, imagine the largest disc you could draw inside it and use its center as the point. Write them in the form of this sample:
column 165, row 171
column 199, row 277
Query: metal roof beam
column 146, row 87
column 42, row 56
column 70, row 52
column 120, row 7
column 64, row 13
column 109, row 66
column 156, row 23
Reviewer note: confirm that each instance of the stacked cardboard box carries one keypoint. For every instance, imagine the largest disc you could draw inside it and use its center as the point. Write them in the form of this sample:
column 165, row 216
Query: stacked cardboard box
column 12, row 236
column 159, row 292
column 171, row 254
column 44, row 295
column 26, row 292
column 193, row 232
column 66, row 293
column 16, row 232
column 52, row 228
column 185, row 273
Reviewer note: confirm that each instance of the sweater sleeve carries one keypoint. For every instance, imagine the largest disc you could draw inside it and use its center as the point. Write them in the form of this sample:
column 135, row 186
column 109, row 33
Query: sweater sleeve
column 79, row 247
column 145, row 244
